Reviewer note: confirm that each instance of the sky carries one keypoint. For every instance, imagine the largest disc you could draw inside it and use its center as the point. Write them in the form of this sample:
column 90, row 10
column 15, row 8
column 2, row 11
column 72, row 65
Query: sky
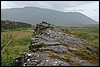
column 89, row 8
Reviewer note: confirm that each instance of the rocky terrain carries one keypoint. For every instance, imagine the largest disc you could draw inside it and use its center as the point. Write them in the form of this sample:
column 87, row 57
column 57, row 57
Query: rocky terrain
column 50, row 46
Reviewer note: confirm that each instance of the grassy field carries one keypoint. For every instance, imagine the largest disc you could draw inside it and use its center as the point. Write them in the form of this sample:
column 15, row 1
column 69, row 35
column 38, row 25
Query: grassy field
column 16, row 41
column 13, row 43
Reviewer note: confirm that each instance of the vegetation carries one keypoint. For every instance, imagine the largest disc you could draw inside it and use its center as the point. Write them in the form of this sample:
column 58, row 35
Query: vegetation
column 7, row 24
column 16, row 41
column 13, row 43
column 91, row 34
column 88, row 33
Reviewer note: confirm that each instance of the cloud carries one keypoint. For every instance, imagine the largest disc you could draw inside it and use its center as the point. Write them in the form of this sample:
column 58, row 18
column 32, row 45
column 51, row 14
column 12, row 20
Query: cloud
column 51, row 4
column 21, row 4
column 91, row 10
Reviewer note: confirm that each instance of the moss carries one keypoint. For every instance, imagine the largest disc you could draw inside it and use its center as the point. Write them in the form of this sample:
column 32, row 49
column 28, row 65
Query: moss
column 82, row 55
column 76, row 64
column 68, row 59
column 45, row 52
column 69, row 53
column 82, row 48
column 44, row 45
column 94, row 61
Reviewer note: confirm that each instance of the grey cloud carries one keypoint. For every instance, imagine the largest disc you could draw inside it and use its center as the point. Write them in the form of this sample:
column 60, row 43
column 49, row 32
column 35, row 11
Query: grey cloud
column 27, row 3
column 47, row 4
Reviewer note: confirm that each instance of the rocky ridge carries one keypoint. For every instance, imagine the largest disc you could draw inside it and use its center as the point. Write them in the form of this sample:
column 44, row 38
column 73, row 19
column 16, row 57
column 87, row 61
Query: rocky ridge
column 52, row 47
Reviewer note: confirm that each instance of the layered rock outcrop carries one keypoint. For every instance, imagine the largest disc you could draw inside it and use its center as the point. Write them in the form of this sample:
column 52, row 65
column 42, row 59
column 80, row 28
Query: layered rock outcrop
column 52, row 47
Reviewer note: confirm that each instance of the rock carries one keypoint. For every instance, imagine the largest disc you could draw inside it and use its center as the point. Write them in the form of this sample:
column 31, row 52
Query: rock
column 76, row 59
column 90, row 49
column 53, row 62
column 39, row 60
column 41, row 28
column 52, row 43
column 49, row 37
column 58, row 49
column 72, row 49
column 85, row 63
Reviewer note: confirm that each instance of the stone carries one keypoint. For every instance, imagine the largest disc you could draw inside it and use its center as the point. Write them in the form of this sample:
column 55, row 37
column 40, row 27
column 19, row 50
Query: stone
column 49, row 37
column 72, row 49
column 41, row 60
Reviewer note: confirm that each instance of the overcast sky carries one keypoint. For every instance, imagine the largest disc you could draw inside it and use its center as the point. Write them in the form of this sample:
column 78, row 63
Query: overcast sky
column 89, row 8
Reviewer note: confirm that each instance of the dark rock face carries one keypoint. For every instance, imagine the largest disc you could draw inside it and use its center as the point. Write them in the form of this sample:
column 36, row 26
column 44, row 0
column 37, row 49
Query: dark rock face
column 48, row 38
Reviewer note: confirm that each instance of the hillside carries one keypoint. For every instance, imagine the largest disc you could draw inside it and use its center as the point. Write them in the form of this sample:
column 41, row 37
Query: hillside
column 50, row 46
column 34, row 15
column 53, row 46
column 7, row 24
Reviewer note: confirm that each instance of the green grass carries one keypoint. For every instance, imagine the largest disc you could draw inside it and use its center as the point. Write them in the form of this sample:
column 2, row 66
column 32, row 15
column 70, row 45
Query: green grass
column 88, row 33
column 13, row 43
column 17, row 29
column 16, row 41
column 24, row 41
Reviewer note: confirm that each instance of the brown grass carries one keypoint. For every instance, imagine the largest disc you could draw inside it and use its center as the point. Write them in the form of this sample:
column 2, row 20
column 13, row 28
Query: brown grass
column 19, row 35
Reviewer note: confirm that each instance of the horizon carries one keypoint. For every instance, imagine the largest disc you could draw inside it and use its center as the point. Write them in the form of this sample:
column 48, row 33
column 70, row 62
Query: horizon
column 88, row 8
column 49, row 9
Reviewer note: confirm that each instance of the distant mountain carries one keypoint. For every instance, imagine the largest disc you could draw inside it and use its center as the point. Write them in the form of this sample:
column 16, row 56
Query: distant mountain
column 35, row 15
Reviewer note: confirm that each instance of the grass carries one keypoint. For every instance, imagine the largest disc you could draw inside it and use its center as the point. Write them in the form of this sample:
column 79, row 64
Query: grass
column 16, row 41
column 88, row 33
column 13, row 43
column 24, row 41
column 17, row 29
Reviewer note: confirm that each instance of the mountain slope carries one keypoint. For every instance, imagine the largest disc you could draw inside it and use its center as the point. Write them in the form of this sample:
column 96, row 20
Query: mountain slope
column 33, row 15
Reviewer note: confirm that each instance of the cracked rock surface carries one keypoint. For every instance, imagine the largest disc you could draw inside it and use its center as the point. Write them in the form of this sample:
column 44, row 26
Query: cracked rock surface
column 51, row 47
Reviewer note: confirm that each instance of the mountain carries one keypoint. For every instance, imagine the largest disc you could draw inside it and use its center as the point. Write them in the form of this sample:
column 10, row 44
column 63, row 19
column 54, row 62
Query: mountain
column 35, row 15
